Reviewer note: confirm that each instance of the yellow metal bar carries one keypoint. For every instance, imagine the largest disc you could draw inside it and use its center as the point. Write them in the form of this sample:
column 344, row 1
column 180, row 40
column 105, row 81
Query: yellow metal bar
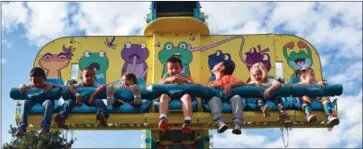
column 123, row 121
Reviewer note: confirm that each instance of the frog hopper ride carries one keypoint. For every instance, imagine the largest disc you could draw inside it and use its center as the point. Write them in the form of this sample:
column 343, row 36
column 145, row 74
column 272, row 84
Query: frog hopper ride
column 188, row 37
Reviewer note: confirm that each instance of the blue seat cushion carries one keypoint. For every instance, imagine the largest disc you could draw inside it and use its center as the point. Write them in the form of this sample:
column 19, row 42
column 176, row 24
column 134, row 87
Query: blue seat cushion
column 125, row 108
column 226, row 107
column 315, row 105
column 176, row 91
column 56, row 81
column 176, row 104
column 314, row 91
column 85, row 92
column 35, row 94
column 121, row 93
column 100, row 80
column 252, row 91
column 38, row 109
column 128, row 108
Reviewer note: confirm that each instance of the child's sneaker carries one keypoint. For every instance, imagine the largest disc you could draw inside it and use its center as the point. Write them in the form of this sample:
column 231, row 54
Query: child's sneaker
column 103, row 120
column 283, row 117
column 311, row 118
column 44, row 132
column 60, row 121
column 20, row 132
column 236, row 129
column 265, row 110
column 186, row 127
column 332, row 121
column 163, row 124
column 222, row 127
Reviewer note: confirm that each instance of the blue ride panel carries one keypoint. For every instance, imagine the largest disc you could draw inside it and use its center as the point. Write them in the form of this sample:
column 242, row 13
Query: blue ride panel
column 314, row 91
column 177, row 91
column 38, row 109
column 125, row 108
column 35, row 94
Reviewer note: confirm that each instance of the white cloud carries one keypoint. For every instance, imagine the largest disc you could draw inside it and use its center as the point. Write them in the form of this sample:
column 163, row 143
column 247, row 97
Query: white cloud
column 111, row 18
column 7, row 43
column 224, row 16
column 42, row 21
column 13, row 14
column 350, row 77
column 3, row 60
column 45, row 25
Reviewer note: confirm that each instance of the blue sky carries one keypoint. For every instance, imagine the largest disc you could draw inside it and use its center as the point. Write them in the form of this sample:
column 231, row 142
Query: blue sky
column 333, row 28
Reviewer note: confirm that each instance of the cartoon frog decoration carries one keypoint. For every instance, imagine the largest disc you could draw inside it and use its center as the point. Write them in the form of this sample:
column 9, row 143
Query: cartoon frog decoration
column 135, row 56
column 256, row 55
column 299, row 59
column 53, row 63
column 217, row 57
column 182, row 51
column 98, row 61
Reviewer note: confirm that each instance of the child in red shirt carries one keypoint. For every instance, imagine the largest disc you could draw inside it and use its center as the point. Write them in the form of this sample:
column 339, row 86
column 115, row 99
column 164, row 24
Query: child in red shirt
column 224, row 80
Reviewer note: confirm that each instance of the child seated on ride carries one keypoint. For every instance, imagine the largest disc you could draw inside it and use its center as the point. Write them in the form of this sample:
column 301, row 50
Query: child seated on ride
column 37, row 80
column 174, row 68
column 306, row 77
column 128, row 81
column 88, row 80
column 224, row 80
column 259, row 77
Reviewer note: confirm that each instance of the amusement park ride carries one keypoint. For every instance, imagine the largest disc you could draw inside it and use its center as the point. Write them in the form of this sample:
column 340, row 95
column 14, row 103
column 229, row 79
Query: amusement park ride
column 178, row 28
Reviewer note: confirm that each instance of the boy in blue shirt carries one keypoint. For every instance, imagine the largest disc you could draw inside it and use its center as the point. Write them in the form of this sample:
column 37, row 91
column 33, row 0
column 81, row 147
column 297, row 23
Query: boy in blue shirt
column 37, row 80
column 88, row 77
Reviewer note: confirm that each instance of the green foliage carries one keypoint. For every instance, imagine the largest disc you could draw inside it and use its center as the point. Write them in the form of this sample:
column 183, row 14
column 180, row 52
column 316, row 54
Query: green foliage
column 33, row 140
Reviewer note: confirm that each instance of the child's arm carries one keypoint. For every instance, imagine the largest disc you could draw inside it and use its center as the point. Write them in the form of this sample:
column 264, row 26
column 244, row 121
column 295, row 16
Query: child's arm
column 237, row 83
column 322, row 83
column 23, row 88
column 100, row 88
column 185, row 79
column 275, row 85
column 72, row 89
column 166, row 80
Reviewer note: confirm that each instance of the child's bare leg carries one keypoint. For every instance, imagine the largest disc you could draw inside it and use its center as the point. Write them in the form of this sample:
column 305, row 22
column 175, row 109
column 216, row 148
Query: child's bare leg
column 187, row 105
column 163, row 110
column 137, row 94
column 164, row 104
column 187, row 111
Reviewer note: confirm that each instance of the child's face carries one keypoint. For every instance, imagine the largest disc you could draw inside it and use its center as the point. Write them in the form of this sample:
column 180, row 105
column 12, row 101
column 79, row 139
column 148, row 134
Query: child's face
column 257, row 74
column 37, row 81
column 308, row 77
column 88, row 77
column 218, row 67
column 173, row 68
column 126, row 81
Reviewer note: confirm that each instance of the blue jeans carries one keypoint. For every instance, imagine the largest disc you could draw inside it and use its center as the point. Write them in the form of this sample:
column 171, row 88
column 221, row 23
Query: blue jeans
column 69, row 104
column 237, row 105
column 48, row 106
